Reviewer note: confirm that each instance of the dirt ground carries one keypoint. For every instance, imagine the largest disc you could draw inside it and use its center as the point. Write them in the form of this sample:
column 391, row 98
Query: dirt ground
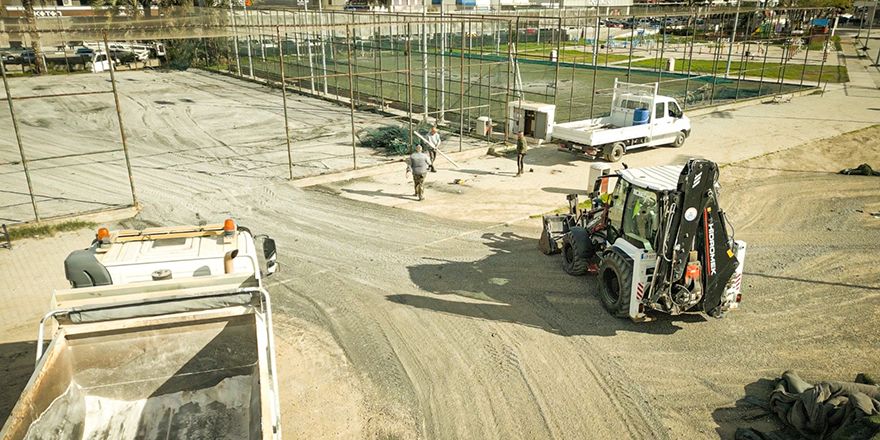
column 203, row 128
column 395, row 323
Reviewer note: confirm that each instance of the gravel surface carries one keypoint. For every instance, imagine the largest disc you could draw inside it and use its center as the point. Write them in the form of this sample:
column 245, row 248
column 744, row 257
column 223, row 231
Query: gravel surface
column 392, row 323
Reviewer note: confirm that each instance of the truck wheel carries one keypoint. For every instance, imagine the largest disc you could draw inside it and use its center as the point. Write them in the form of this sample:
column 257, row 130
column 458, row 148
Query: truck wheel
column 615, row 274
column 679, row 139
column 576, row 251
column 615, row 153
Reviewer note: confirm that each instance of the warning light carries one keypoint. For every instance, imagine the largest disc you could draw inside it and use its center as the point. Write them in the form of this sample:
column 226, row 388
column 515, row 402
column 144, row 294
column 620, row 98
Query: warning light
column 228, row 227
column 103, row 233
column 248, row 3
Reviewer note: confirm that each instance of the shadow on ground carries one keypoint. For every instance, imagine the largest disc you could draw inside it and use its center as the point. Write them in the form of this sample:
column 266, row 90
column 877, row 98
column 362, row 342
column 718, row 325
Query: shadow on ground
column 516, row 283
column 752, row 411
column 16, row 367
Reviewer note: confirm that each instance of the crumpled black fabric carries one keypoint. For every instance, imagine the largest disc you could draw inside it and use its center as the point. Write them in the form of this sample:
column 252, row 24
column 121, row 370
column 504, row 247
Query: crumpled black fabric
column 828, row 410
column 862, row 170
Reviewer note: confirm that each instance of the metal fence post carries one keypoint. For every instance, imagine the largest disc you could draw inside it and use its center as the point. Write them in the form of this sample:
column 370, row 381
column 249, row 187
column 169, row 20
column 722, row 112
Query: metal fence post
column 119, row 116
column 595, row 69
column 24, row 161
column 284, row 101
column 351, row 97
column 822, row 66
column 461, row 94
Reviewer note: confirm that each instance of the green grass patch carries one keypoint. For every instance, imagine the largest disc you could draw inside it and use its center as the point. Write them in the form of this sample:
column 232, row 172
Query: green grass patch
column 819, row 45
column 832, row 74
column 47, row 230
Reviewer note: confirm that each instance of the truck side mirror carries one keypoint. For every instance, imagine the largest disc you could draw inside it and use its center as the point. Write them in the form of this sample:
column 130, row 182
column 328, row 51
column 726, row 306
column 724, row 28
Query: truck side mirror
column 271, row 255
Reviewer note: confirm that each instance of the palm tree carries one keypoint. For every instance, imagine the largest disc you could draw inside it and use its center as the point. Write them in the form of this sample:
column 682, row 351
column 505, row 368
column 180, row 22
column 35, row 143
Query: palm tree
column 40, row 61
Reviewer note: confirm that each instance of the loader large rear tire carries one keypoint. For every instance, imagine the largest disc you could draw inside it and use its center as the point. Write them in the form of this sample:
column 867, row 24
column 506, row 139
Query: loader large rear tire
column 576, row 251
column 615, row 275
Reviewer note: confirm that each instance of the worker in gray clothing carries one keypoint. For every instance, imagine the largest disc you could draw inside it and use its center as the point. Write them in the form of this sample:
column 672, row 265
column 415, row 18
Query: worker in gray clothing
column 433, row 146
column 418, row 164
column 521, row 148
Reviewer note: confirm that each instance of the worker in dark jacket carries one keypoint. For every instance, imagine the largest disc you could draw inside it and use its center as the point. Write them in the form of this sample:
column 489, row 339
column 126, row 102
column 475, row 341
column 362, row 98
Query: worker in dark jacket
column 418, row 164
column 521, row 148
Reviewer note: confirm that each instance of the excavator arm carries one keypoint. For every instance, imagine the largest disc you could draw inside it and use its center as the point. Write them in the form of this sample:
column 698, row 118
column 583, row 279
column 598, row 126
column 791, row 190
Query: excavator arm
column 694, row 222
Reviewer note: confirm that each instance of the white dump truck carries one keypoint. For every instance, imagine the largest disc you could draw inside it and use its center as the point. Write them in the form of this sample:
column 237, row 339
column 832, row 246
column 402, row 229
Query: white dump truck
column 639, row 118
column 166, row 333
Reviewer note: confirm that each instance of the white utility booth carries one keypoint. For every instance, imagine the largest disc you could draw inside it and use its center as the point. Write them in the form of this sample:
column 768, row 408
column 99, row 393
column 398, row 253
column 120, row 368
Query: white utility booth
column 535, row 119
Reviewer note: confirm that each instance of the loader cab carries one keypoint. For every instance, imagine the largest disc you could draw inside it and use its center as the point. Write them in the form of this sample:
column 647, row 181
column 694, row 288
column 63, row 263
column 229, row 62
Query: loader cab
column 633, row 208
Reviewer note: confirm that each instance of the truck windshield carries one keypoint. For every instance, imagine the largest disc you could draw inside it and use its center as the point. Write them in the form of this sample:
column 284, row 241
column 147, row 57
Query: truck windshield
column 640, row 218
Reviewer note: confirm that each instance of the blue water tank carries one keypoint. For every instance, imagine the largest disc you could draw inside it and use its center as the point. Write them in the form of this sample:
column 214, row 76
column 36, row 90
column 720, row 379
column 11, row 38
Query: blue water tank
column 641, row 116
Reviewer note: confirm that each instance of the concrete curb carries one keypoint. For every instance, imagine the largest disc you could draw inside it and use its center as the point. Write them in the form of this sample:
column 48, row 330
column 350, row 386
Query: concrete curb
column 745, row 103
column 113, row 215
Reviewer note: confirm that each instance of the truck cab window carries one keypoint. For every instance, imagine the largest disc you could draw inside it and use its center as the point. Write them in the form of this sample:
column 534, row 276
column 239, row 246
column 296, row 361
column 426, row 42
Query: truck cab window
column 674, row 110
column 640, row 219
column 659, row 112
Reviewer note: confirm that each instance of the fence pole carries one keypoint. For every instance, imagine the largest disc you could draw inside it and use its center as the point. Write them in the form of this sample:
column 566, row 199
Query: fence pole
column 558, row 58
column 409, row 97
column 806, row 58
column 662, row 50
column 822, row 66
column 509, row 73
column 247, row 23
column 310, row 38
column 284, row 100
column 690, row 60
column 632, row 43
column 442, row 117
column 595, row 69
column 715, row 62
column 461, row 93
column 351, row 97
column 786, row 50
column 119, row 116
column 573, row 68
column 763, row 66
column 379, row 65
column 24, row 161
column 732, row 40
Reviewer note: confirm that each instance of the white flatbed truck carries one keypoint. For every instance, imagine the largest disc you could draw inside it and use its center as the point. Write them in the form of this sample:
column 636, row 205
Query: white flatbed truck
column 616, row 134
column 166, row 333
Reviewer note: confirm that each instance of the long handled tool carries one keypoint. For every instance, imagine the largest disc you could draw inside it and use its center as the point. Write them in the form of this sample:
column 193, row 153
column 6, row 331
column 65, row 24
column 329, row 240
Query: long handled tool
column 435, row 149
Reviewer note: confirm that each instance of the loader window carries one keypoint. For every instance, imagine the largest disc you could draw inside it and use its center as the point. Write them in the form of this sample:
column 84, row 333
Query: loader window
column 618, row 198
column 640, row 219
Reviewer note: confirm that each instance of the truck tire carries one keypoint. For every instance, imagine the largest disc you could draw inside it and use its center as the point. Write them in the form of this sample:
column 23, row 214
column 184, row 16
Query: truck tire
column 615, row 152
column 679, row 139
column 576, row 253
column 615, row 276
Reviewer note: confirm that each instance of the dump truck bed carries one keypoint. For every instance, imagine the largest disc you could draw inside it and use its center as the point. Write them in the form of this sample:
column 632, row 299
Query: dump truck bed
column 201, row 372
